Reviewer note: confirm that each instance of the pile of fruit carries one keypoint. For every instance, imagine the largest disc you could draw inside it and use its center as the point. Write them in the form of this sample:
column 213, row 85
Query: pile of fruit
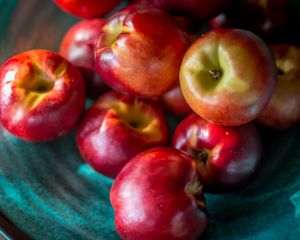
column 142, row 62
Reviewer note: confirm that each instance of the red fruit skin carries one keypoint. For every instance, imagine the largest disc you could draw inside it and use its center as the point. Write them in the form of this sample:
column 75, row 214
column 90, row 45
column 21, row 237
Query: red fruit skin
column 197, row 9
column 41, row 95
column 187, row 24
column 157, row 195
column 174, row 102
column 269, row 15
column 233, row 153
column 283, row 109
column 116, row 128
column 140, row 54
column 247, row 81
column 87, row 8
column 78, row 47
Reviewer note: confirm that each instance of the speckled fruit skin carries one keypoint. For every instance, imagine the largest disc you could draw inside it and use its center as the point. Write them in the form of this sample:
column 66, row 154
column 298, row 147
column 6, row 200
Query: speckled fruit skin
column 226, row 157
column 41, row 95
column 78, row 47
column 116, row 128
column 87, row 8
column 157, row 196
column 227, row 76
column 140, row 54
column 174, row 102
column 283, row 109
column 197, row 9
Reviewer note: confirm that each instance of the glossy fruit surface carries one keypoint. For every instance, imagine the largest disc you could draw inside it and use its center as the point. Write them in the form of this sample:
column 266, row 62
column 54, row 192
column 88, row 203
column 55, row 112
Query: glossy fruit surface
column 283, row 109
column 227, row 76
column 87, row 8
column 157, row 195
column 116, row 128
column 41, row 95
column 78, row 46
column 226, row 157
column 140, row 54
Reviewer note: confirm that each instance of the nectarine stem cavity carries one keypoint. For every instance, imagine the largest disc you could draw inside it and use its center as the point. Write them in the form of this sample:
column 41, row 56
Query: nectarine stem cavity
column 112, row 30
column 201, row 156
column 35, row 86
column 133, row 115
column 216, row 74
column 37, row 80
column 42, row 86
column 280, row 71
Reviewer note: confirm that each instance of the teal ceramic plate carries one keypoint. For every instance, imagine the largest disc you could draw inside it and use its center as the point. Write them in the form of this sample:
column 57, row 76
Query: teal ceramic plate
column 47, row 192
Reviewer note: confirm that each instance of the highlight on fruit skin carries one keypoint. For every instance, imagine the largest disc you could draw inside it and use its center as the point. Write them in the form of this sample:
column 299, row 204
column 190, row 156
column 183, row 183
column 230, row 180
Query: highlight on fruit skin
column 159, row 192
column 87, row 8
column 42, row 95
column 227, row 158
column 78, row 47
column 116, row 128
column 227, row 76
column 140, row 54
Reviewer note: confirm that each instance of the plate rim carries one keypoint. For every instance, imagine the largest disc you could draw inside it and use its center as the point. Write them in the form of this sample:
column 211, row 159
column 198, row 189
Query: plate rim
column 9, row 231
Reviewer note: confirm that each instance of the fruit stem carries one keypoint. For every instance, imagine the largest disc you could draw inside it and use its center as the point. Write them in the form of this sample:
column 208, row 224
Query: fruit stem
column 201, row 156
column 195, row 189
column 216, row 74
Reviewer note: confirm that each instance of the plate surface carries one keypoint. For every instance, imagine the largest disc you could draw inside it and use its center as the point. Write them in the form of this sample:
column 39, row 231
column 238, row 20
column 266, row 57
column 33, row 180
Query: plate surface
column 49, row 193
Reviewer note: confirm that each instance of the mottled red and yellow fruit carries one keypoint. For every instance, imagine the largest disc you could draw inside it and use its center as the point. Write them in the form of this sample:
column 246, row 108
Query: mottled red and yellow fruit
column 227, row 76
column 283, row 110
column 116, row 128
column 226, row 157
column 78, row 47
column 157, row 195
column 87, row 8
column 41, row 95
column 140, row 54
